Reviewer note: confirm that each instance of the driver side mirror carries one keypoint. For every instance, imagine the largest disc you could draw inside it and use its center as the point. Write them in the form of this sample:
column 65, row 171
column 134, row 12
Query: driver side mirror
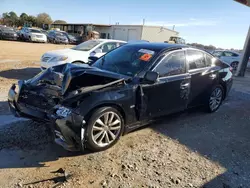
column 92, row 59
column 151, row 76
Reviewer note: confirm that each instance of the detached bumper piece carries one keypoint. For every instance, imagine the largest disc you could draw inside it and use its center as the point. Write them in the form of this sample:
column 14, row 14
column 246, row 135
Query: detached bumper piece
column 68, row 132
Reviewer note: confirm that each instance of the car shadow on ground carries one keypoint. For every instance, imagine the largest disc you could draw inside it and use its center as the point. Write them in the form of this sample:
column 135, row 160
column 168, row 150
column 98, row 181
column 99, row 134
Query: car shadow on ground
column 221, row 137
column 4, row 109
column 30, row 144
column 20, row 74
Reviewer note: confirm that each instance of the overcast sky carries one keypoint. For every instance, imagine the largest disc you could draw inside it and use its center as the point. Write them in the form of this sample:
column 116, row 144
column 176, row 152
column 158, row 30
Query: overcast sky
column 223, row 23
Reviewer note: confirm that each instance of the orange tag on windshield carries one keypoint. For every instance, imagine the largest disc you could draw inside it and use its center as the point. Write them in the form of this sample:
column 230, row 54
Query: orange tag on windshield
column 145, row 57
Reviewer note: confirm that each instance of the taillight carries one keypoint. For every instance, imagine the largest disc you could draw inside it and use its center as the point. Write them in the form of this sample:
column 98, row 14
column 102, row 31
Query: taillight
column 231, row 69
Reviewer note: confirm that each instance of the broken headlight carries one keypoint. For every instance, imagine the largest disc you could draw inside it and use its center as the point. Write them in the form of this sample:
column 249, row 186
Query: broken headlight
column 63, row 111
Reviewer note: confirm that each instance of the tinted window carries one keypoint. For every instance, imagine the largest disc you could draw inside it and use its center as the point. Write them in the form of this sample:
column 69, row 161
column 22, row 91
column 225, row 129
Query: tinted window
column 108, row 47
column 88, row 45
column 230, row 54
column 50, row 34
column 196, row 59
column 172, row 64
column 209, row 60
column 217, row 53
column 34, row 31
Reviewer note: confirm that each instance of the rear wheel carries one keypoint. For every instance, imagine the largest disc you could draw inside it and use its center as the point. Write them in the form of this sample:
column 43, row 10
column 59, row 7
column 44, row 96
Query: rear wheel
column 234, row 65
column 215, row 98
column 104, row 129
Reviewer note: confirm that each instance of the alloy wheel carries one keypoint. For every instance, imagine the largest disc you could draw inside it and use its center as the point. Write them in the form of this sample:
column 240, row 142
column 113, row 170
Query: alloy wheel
column 215, row 99
column 106, row 129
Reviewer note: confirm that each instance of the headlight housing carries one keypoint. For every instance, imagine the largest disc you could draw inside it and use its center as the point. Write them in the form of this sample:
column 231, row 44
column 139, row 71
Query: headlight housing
column 60, row 58
column 17, row 88
column 63, row 111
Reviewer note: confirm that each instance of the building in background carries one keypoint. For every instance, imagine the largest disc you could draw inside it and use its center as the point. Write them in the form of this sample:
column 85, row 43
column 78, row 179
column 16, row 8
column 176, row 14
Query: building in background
column 120, row 32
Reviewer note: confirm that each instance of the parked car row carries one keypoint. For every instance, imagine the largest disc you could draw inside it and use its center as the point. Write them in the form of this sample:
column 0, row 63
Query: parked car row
column 7, row 33
column 230, row 57
column 80, row 53
column 93, row 103
column 38, row 35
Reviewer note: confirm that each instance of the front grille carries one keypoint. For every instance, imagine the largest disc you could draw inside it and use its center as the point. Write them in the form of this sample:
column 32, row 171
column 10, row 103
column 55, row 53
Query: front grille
column 45, row 59
column 39, row 36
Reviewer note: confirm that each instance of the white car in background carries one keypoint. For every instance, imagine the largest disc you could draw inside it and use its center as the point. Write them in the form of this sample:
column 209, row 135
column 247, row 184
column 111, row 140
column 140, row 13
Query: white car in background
column 229, row 57
column 79, row 53
column 33, row 35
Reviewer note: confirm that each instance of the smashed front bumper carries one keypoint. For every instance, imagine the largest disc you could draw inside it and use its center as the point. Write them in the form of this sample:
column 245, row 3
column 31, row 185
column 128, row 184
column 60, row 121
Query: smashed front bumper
column 23, row 110
column 69, row 132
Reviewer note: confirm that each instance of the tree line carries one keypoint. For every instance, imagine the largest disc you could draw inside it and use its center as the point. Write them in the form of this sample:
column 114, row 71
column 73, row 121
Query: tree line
column 13, row 20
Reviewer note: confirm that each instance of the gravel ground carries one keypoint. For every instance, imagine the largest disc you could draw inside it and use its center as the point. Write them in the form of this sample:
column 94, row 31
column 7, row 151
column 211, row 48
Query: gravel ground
column 190, row 149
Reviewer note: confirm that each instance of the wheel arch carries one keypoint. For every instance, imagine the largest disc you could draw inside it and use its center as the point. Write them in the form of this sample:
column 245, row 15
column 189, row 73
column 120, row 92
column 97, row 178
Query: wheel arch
column 108, row 104
column 75, row 61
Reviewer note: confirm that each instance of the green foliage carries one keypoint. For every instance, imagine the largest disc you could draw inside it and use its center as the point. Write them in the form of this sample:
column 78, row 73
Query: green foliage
column 11, row 19
column 43, row 18
column 59, row 22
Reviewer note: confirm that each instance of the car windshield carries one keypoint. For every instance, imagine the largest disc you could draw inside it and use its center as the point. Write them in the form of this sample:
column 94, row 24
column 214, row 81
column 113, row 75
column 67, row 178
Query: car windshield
column 126, row 60
column 71, row 36
column 86, row 46
column 34, row 31
column 59, row 34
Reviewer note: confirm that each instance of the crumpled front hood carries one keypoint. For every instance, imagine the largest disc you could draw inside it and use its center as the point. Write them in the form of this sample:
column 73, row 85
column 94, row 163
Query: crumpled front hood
column 70, row 77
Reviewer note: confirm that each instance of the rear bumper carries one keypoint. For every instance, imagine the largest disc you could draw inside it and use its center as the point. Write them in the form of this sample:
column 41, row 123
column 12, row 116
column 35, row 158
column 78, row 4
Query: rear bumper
column 33, row 39
column 62, row 42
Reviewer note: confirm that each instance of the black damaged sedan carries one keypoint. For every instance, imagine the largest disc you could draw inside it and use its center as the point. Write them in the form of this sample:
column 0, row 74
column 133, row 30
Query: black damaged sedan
column 93, row 105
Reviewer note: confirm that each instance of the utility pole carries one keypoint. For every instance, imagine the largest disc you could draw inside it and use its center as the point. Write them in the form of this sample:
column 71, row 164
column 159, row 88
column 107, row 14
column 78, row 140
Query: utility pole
column 143, row 21
column 245, row 57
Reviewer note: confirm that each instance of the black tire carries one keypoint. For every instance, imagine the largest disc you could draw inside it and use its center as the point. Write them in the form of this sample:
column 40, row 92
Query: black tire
column 234, row 65
column 209, row 106
column 90, row 143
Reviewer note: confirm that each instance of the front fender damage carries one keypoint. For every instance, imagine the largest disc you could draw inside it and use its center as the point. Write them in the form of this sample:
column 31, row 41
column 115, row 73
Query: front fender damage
column 69, row 132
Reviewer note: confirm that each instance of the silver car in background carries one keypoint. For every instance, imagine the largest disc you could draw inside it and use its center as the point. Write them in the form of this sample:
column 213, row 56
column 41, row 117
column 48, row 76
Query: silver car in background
column 32, row 35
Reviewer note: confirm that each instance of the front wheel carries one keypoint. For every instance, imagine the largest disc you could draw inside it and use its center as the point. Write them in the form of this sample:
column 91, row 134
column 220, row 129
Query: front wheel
column 104, row 128
column 215, row 98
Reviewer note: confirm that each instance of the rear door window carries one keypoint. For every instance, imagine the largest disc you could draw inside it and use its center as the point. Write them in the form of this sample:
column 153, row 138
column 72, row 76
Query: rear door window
column 172, row 64
column 230, row 54
column 196, row 59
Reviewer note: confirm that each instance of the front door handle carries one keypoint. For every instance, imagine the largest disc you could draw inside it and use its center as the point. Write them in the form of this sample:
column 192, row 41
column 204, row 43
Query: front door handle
column 212, row 76
column 184, row 85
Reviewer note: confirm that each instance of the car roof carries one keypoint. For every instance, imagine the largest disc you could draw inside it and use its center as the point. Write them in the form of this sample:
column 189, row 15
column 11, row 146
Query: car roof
column 226, row 51
column 110, row 40
column 157, row 46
